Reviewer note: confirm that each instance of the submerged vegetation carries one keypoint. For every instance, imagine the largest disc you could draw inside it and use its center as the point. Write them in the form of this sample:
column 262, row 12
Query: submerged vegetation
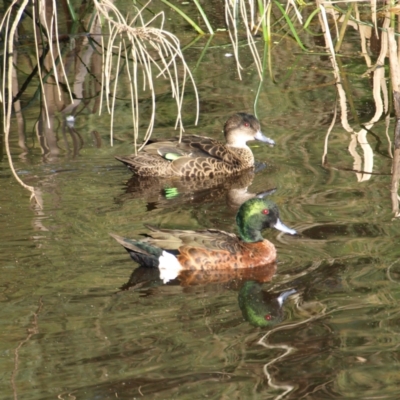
column 105, row 54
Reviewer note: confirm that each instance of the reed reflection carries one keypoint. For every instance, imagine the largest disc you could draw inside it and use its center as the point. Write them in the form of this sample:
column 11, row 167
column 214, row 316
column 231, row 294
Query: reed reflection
column 382, row 44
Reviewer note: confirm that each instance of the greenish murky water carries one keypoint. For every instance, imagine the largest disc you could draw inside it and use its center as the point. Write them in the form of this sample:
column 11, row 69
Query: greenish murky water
column 68, row 330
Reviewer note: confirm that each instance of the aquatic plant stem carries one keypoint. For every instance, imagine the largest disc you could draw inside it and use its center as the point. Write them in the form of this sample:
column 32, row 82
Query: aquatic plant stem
column 204, row 16
column 184, row 16
column 265, row 27
column 290, row 24
column 308, row 21
column 203, row 52
column 260, row 84
column 72, row 11
column 343, row 28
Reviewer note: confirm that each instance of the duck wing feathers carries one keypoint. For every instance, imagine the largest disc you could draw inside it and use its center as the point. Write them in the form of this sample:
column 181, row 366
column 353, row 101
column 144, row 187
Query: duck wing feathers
column 195, row 156
column 192, row 146
column 208, row 239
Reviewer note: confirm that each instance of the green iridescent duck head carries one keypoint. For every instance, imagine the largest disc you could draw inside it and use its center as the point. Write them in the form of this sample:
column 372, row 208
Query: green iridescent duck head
column 257, row 214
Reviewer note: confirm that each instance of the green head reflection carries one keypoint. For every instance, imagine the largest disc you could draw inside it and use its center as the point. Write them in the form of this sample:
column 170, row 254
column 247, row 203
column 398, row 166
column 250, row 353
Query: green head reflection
column 259, row 307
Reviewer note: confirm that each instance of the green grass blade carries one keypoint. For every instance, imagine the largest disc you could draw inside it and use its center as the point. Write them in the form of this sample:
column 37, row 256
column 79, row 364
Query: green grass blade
column 343, row 28
column 308, row 22
column 290, row 24
column 204, row 15
column 203, row 52
column 184, row 16
column 260, row 85
column 265, row 26
column 72, row 11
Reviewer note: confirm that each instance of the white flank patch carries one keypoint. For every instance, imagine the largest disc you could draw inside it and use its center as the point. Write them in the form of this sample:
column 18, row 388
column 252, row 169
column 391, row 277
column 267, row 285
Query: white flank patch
column 169, row 267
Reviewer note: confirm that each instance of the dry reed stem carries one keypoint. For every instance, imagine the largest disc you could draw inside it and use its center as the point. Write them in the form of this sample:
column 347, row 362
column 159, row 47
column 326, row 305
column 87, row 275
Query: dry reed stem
column 142, row 40
column 17, row 105
column 250, row 40
column 133, row 96
column 43, row 20
column 292, row 3
column 336, row 73
column 360, row 137
column 165, row 44
column 395, row 75
column 330, row 128
column 266, row 6
column 37, row 53
column 7, row 97
column 230, row 19
column 365, row 33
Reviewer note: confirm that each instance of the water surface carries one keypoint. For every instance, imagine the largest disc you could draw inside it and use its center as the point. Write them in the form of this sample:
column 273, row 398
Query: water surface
column 69, row 331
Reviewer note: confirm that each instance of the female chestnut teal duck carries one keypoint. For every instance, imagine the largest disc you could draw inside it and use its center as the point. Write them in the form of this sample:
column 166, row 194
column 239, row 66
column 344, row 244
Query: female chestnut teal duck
column 200, row 156
column 172, row 251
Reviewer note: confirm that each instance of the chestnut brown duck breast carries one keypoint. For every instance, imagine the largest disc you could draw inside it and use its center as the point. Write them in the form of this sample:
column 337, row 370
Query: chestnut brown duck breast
column 200, row 156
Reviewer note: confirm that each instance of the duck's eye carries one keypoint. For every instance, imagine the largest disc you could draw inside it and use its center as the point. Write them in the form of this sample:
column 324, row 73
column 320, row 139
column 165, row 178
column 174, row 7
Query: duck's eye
column 265, row 211
column 268, row 317
column 246, row 124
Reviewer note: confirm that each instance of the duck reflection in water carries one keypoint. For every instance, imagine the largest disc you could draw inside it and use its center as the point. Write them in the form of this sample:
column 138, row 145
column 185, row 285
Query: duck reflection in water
column 144, row 277
column 258, row 306
column 164, row 192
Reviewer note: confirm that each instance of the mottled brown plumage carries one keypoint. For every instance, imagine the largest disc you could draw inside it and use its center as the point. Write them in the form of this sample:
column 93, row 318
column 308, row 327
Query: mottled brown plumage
column 199, row 156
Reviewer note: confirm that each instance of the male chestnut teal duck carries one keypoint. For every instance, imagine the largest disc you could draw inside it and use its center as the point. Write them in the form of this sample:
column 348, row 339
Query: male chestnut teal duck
column 173, row 251
column 200, row 156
